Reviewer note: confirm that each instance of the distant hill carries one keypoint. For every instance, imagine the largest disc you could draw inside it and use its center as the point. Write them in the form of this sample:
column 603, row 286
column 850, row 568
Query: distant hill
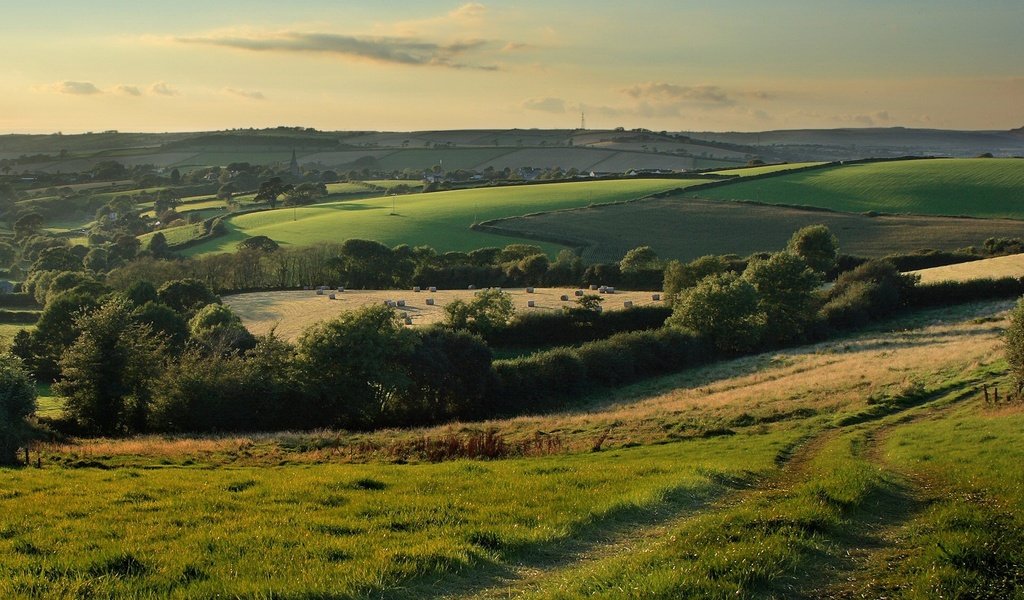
column 610, row 151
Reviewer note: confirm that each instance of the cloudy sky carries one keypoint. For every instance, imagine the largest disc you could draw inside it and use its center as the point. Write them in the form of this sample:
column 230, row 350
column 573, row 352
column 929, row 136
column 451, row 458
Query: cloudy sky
column 68, row 65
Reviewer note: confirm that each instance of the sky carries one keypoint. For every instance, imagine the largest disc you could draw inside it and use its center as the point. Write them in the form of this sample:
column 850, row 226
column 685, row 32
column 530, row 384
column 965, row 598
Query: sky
column 682, row 65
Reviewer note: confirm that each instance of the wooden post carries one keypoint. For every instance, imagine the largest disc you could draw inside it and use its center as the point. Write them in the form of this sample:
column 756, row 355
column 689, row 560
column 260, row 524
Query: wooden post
column 27, row 461
column 996, row 396
column 985, row 387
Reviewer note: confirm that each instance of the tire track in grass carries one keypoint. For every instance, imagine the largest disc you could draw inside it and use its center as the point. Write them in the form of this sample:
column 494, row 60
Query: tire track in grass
column 527, row 571
column 879, row 525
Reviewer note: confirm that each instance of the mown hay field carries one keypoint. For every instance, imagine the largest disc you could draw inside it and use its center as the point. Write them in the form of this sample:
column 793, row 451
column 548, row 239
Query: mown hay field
column 685, row 228
column 439, row 219
column 975, row 187
column 291, row 312
column 764, row 169
column 989, row 268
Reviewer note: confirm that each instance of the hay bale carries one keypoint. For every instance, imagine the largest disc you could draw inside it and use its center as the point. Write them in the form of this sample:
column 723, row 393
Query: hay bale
column 433, row 289
column 578, row 293
column 401, row 302
column 471, row 287
column 416, row 289
column 430, row 301
column 564, row 298
column 529, row 290
column 627, row 304
column 341, row 288
column 593, row 287
column 408, row 321
column 656, row 297
column 319, row 292
column 332, row 297
column 531, row 304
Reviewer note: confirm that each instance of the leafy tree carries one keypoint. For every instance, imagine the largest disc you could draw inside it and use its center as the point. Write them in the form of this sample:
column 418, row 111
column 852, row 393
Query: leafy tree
column 450, row 373
column 186, row 295
column 219, row 330
column 785, row 286
column 517, row 252
column 7, row 254
column 163, row 320
column 271, row 190
column 57, row 259
column 487, row 311
column 531, row 269
column 366, row 264
column 17, row 403
column 158, row 245
column 108, row 372
column 354, row 366
column 28, row 225
column 816, row 245
column 56, row 329
column 722, row 308
column 871, row 291
column 639, row 259
column 679, row 276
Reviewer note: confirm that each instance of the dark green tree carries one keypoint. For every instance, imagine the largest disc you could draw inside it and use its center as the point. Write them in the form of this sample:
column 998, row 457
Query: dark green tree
column 186, row 295
column 108, row 371
column 816, row 245
column 785, row 288
column 17, row 403
column 272, row 189
column 724, row 309
column 487, row 311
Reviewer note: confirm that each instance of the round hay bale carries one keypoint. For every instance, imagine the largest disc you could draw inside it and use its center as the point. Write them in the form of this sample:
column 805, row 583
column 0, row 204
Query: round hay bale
column 529, row 290
column 593, row 287
column 564, row 298
column 656, row 297
column 416, row 289
column 332, row 297
column 433, row 289
column 471, row 287
column 627, row 304
column 401, row 302
column 578, row 293
column 408, row 321
column 531, row 304
column 319, row 292
column 430, row 301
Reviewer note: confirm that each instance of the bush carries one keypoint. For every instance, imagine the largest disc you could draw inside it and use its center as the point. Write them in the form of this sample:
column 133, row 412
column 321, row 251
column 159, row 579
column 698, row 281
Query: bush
column 723, row 309
column 1015, row 343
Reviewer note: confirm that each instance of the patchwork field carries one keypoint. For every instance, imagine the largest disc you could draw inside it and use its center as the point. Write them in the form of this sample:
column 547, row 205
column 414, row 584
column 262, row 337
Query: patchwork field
column 750, row 171
column 989, row 268
column 979, row 187
column 438, row 219
column 291, row 312
column 685, row 228
column 805, row 473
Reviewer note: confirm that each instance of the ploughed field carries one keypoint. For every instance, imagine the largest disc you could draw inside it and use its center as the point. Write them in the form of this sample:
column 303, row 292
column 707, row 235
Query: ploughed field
column 291, row 312
column 870, row 466
column 441, row 220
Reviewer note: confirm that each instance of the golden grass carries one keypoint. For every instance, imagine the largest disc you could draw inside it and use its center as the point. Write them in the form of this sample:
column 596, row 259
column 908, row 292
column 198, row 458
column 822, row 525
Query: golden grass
column 994, row 268
column 291, row 312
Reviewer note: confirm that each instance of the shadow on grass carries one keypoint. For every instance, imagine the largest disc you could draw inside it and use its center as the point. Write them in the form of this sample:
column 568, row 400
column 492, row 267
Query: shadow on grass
column 505, row 571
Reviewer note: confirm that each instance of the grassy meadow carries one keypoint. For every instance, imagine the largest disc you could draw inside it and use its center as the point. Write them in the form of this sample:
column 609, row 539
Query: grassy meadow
column 975, row 187
column 809, row 472
column 686, row 228
column 438, row 219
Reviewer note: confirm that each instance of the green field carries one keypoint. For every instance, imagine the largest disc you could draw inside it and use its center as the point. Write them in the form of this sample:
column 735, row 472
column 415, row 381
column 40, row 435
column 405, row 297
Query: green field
column 832, row 470
column 976, row 187
column 686, row 228
column 438, row 219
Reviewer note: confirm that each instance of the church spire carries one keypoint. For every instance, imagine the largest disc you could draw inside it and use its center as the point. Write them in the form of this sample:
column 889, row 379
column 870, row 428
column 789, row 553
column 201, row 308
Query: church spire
column 293, row 167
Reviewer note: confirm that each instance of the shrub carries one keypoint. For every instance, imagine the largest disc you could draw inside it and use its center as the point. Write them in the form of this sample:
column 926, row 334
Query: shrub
column 722, row 308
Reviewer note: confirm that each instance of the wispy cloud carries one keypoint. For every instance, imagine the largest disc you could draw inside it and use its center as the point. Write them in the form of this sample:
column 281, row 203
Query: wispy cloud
column 668, row 92
column 389, row 50
column 551, row 105
column 127, row 90
column 250, row 94
column 77, row 88
column 162, row 88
